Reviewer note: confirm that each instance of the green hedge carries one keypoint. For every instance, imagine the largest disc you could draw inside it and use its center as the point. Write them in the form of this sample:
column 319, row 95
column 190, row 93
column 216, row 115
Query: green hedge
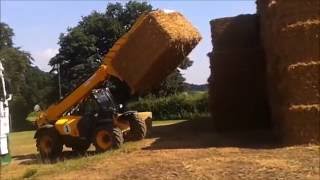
column 182, row 106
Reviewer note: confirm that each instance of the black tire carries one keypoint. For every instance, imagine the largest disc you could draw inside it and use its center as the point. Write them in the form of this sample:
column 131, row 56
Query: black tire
column 138, row 128
column 117, row 138
column 106, row 138
column 49, row 144
column 149, row 127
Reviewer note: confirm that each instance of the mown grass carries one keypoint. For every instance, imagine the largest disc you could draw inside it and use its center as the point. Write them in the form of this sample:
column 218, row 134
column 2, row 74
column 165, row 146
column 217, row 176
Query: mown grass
column 22, row 143
column 36, row 170
column 29, row 173
column 166, row 122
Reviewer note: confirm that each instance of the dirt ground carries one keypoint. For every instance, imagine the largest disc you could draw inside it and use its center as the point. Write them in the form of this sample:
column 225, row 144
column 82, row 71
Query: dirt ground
column 188, row 151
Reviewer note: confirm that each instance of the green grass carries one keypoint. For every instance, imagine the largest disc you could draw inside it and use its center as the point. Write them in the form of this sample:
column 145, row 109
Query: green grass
column 22, row 143
column 29, row 173
column 38, row 170
column 166, row 122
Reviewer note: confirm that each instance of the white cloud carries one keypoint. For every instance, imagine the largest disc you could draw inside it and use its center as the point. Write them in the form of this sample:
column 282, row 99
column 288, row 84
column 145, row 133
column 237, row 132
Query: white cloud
column 168, row 11
column 42, row 58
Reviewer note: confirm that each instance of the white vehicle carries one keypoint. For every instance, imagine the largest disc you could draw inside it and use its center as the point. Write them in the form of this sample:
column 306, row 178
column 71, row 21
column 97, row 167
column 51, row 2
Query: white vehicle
column 4, row 120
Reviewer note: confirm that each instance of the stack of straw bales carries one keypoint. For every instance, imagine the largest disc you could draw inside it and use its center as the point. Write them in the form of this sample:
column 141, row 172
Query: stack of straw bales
column 237, row 92
column 152, row 49
column 290, row 31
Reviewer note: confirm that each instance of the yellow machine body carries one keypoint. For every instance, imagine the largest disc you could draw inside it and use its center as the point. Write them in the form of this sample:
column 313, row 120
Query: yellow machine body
column 124, row 124
column 68, row 125
column 55, row 111
column 147, row 117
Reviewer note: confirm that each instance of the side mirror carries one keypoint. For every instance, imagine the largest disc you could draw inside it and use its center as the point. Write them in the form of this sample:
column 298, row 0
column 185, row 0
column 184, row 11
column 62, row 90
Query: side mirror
column 37, row 108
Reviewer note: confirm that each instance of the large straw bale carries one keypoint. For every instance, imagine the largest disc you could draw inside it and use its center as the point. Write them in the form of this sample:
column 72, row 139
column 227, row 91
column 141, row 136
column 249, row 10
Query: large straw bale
column 303, row 81
column 289, row 30
column 301, row 124
column 298, row 42
column 290, row 35
column 287, row 11
column 237, row 92
column 235, row 32
column 152, row 49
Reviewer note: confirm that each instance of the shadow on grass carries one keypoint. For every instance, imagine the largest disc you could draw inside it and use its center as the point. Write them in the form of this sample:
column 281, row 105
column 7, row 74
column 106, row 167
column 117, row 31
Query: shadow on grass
column 200, row 134
column 30, row 159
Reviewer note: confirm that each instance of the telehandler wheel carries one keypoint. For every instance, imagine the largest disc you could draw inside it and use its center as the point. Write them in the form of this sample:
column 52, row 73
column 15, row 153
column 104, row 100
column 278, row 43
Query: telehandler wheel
column 49, row 145
column 117, row 138
column 138, row 128
column 107, row 138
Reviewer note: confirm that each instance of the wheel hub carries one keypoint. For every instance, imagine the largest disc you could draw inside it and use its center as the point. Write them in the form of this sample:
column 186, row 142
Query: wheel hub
column 103, row 139
column 46, row 144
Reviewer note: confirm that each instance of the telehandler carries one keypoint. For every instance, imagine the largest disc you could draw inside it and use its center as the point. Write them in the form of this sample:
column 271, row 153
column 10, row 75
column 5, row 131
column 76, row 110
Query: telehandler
column 105, row 123
column 69, row 123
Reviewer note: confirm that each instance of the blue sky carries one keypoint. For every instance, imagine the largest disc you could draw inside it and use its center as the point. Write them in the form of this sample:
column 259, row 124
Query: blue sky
column 38, row 24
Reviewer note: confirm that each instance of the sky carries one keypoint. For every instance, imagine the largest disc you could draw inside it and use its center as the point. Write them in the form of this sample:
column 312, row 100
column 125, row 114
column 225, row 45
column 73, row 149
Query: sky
column 38, row 24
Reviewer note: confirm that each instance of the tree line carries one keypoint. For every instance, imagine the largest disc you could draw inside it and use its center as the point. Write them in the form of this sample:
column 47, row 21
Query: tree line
column 28, row 84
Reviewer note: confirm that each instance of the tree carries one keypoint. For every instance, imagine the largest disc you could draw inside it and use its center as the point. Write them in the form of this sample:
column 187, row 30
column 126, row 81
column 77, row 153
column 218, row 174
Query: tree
column 83, row 46
column 175, row 82
column 29, row 85
column 6, row 34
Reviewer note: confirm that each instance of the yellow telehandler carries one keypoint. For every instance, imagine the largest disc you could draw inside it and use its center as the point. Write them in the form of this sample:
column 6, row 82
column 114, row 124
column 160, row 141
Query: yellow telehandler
column 155, row 45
